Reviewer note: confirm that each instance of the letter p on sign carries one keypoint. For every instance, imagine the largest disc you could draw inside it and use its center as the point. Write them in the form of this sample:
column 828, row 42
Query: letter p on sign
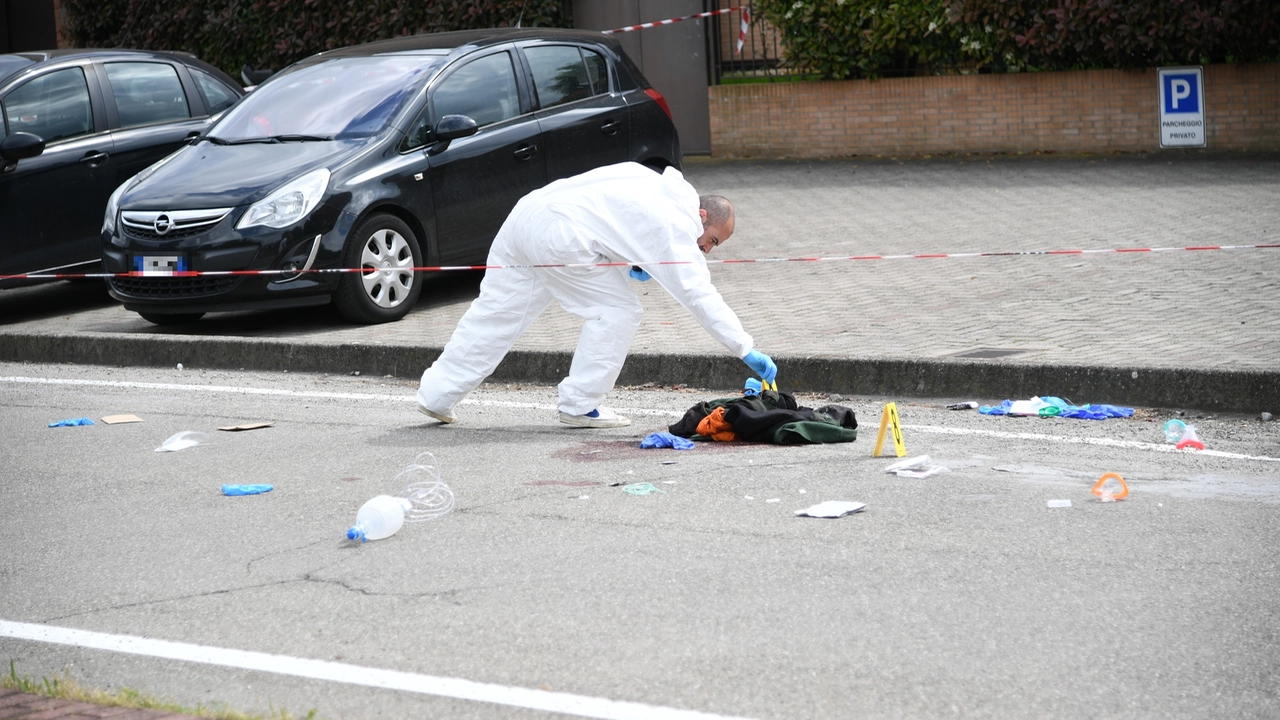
column 1180, row 95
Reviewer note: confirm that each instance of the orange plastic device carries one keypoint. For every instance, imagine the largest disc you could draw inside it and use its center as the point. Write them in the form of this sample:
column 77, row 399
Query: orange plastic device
column 1101, row 492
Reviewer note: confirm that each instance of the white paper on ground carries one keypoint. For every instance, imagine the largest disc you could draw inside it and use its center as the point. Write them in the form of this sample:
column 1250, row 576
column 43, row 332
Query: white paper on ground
column 832, row 509
column 182, row 441
column 915, row 467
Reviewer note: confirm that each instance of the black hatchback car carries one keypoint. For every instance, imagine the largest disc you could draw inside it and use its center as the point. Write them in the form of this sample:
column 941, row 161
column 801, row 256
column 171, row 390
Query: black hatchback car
column 76, row 124
column 390, row 156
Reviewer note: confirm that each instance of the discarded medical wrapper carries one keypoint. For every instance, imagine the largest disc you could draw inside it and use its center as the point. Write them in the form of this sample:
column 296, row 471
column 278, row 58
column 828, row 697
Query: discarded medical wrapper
column 120, row 419
column 425, row 497
column 917, row 467
column 643, row 489
column 246, row 489
column 832, row 509
column 1110, row 488
column 246, row 426
column 1049, row 406
column 72, row 422
column 1058, row 503
column 182, row 441
column 770, row 417
column 665, row 440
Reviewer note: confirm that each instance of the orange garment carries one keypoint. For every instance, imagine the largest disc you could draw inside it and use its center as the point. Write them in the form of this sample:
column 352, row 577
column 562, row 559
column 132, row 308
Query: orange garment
column 715, row 427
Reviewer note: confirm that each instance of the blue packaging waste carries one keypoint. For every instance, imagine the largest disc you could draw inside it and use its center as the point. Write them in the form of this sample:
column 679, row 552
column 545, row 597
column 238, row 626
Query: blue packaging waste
column 246, row 489
column 380, row 517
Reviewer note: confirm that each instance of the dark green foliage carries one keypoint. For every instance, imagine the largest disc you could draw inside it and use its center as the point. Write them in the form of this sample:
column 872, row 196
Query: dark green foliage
column 1064, row 34
column 837, row 39
column 274, row 33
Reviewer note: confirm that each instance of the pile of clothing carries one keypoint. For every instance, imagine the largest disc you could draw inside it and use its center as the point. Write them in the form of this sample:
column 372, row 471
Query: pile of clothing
column 767, row 417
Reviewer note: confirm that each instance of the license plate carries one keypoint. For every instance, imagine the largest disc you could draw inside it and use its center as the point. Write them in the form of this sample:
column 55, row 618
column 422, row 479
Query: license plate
column 159, row 265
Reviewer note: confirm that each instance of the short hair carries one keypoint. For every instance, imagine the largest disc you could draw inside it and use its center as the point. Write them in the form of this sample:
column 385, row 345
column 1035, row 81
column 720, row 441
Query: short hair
column 719, row 209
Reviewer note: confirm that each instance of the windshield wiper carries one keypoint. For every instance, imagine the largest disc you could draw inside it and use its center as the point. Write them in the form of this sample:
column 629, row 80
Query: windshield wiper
column 303, row 138
column 270, row 140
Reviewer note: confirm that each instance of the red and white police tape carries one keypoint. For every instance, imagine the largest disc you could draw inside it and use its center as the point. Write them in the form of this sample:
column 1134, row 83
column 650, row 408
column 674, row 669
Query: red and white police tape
column 735, row 261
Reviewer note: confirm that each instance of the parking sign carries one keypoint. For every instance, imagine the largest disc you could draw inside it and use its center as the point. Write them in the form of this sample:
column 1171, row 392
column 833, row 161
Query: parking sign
column 1181, row 107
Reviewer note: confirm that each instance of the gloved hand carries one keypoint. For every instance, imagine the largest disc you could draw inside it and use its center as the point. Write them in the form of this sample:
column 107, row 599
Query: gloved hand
column 762, row 365
column 639, row 274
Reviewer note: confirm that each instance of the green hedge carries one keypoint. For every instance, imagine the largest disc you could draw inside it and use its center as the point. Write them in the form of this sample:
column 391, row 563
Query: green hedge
column 274, row 33
column 837, row 39
column 1110, row 34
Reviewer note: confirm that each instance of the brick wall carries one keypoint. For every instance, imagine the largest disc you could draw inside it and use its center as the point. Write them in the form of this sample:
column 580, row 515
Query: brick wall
column 1076, row 111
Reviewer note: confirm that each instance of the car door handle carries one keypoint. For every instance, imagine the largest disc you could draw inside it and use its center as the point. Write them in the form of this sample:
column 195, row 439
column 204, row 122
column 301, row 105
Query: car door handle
column 94, row 158
column 527, row 152
column 611, row 127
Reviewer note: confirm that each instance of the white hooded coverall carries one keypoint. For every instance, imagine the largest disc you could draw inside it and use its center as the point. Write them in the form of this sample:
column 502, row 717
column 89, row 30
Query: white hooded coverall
column 619, row 213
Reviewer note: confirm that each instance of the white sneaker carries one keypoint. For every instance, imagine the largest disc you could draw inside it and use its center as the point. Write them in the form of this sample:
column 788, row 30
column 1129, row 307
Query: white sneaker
column 444, row 417
column 598, row 418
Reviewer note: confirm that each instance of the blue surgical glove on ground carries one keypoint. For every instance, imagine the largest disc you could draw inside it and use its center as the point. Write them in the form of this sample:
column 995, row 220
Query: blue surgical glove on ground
column 762, row 365
column 639, row 274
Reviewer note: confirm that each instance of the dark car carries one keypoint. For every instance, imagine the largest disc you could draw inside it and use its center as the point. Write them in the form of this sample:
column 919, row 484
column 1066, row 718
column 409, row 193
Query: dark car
column 390, row 156
column 76, row 124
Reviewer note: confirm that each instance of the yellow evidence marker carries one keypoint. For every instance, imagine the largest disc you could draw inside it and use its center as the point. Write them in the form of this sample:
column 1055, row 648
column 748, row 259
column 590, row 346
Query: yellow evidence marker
column 889, row 419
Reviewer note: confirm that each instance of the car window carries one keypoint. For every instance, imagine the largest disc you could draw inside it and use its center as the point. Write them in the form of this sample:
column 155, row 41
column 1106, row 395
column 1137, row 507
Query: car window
column 53, row 106
column 558, row 74
column 597, row 70
column 147, row 93
column 483, row 89
column 217, row 96
column 340, row 98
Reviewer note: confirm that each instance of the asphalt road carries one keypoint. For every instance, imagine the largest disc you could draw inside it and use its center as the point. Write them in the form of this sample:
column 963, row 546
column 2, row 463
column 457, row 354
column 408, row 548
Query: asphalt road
column 958, row 595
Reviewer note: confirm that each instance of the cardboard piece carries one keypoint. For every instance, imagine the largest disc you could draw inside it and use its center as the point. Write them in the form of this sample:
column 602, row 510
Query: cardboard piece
column 118, row 419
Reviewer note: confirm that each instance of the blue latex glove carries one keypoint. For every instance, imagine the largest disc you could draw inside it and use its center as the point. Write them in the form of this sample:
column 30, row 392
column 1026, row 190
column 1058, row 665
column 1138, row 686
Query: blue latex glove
column 638, row 273
column 665, row 440
column 762, row 365
column 73, row 422
column 752, row 387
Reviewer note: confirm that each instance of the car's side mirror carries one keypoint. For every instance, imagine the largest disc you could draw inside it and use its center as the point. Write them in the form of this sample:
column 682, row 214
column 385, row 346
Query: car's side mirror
column 450, row 128
column 20, row 146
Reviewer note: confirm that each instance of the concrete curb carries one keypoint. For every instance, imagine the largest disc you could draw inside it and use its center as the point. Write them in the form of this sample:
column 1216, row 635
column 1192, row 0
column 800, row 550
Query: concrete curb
column 1217, row 390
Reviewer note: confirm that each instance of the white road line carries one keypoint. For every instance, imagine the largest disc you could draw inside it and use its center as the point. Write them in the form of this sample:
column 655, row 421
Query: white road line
column 567, row 703
column 234, row 390
column 1073, row 440
column 1066, row 439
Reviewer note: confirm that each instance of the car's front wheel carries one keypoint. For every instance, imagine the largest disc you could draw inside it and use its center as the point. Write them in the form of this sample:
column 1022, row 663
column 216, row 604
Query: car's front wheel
column 385, row 247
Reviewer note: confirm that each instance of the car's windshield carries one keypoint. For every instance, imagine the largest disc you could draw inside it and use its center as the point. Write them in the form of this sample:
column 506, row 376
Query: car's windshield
column 341, row 98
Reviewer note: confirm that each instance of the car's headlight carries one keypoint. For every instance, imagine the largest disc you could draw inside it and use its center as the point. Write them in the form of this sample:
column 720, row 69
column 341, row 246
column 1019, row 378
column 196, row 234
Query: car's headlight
column 289, row 204
column 113, row 203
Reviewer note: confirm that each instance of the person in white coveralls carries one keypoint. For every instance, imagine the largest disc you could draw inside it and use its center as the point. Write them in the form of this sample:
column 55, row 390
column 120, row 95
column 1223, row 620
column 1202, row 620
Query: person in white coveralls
column 624, row 213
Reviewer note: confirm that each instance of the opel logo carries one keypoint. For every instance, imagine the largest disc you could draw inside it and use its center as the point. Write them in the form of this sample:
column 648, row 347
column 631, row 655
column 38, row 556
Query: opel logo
column 163, row 224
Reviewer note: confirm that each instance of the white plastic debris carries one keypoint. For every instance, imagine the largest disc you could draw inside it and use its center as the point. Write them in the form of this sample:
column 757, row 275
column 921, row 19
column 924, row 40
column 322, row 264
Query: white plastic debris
column 1059, row 503
column 920, row 466
column 182, row 441
column 832, row 509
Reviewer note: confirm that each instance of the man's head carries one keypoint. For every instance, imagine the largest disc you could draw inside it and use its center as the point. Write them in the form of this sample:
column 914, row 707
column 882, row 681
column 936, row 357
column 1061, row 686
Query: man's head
column 717, row 221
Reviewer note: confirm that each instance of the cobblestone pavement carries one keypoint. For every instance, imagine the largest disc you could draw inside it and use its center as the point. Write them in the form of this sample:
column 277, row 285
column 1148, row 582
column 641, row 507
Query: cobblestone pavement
column 1202, row 310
